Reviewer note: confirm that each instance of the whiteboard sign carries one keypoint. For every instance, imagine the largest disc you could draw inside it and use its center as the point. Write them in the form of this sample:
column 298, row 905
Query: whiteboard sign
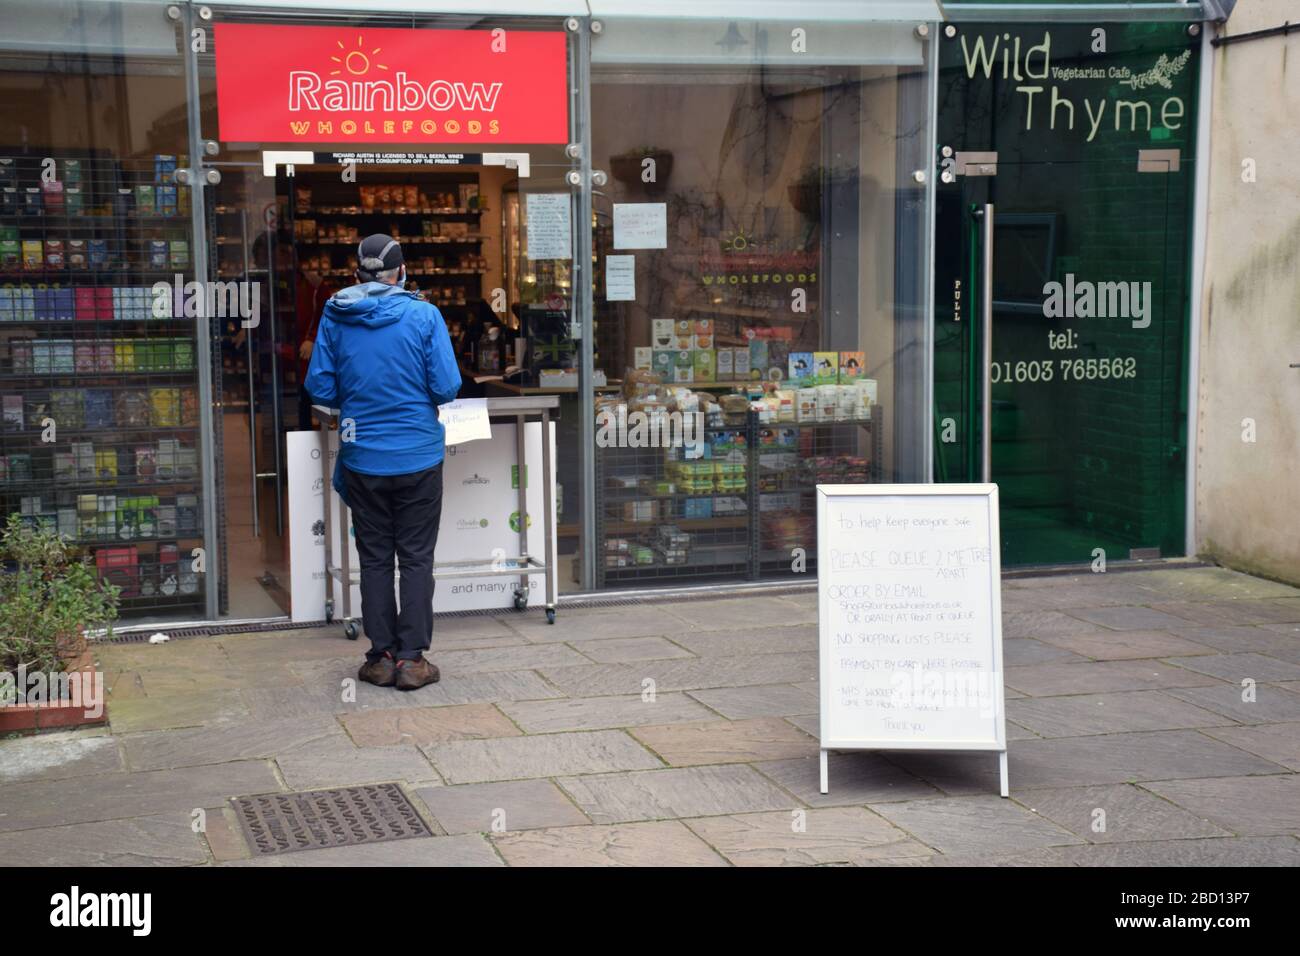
column 910, row 619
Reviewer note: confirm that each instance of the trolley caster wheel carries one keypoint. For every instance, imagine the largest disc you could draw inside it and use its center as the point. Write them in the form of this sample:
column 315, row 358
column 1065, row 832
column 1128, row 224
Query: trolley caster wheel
column 550, row 615
column 329, row 610
column 351, row 631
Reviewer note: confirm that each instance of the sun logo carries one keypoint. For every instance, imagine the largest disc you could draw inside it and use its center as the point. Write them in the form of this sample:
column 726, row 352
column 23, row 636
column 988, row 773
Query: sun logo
column 355, row 61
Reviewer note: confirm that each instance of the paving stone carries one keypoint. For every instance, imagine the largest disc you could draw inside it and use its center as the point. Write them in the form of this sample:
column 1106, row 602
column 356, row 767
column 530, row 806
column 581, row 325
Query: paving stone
column 1290, row 630
column 1100, row 677
column 45, row 803
column 1236, row 667
column 1026, row 650
column 167, row 681
column 325, row 696
column 1270, row 706
column 830, row 835
column 180, row 710
column 1048, row 856
column 1108, row 714
column 854, row 778
column 649, row 620
column 155, row 840
column 1259, row 612
column 601, row 680
column 1237, row 640
column 231, row 740
column 973, row 824
column 810, row 724
column 751, row 640
column 1238, row 852
column 122, row 684
column 1086, row 761
column 665, row 843
column 1248, row 806
column 1279, row 743
column 57, row 756
column 680, row 792
column 1128, row 645
column 1127, row 618
column 544, row 755
column 467, row 849
column 523, row 657
column 619, row 649
column 1129, row 814
column 725, row 741
column 513, row 805
column 423, row 726
column 348, row 766
column 224, row 836
column 1043, row 624
column 749, row 611
column 603, row 713
column 762, row 700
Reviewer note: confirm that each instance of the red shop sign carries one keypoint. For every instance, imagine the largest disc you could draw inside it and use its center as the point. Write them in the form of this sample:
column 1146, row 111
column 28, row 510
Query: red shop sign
column 292, row 84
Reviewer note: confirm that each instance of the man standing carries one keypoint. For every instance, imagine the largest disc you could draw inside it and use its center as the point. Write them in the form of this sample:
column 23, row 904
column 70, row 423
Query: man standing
column 384, row 359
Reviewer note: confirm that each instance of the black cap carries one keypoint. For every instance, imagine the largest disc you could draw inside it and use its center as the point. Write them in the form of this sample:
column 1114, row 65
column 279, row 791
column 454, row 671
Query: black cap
column 378, row 253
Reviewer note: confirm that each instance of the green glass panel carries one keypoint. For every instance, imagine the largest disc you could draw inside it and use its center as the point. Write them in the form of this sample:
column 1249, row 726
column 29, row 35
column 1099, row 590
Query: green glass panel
column 1089, row 395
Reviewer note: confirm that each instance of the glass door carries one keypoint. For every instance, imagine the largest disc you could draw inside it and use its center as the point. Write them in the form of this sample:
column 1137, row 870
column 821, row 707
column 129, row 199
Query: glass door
column 1062, row 275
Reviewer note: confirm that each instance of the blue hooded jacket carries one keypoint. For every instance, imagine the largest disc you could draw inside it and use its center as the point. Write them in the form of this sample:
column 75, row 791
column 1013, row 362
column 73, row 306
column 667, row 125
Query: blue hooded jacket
column 384, row 359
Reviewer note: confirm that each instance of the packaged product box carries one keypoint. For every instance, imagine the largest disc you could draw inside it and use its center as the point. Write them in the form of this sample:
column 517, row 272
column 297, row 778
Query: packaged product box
column 662, row 362
column 741, row 363
column 643, row 357
column 778, row 361
column 846, row 403
column 758, row 354
column 124, row 202
column 165, row 198
column 74, row 201
column 33, row 255
column 84, row 299
column 702, row 341
column 124, row 355
column 87, row 516
column 11, row 254
column 870, row 387
column 164, row 407
column 683, row 327
column 146, row 511
column 827, row 402
column 704, row 365
column 63, row 351
column 826, row 368
column 166, row 520
column 99, row 408
column 189, row 406
column 166, row 460
column 187, row 514
column 726, row 363
column 179, row 253
column 20, row 467
column 83, row 456
column 13, row 411
column 97, row 253
column 64, row 307
column 8, row 172
column 67, row 523
column 131, row 408
column 83, row 357
column 187, row 462
column 106, row 517
column 120, row 567
column 75, row 255
column 65, row 467
column 106, row 465
column 168, row 566
column 182, row 355
column 31, row 198
column 29, row 504
column 105, row 357
column 8, row 306
column 683, row 366
column 852, row 367
column 146, row 462
column 145, row 201
column 10, row 201
column 157, row 253
column 703, row 326
column 52, row 197
column 805, row 405
column 801, row 369
column 72, row 171
column 67, row 407
column 164, row 168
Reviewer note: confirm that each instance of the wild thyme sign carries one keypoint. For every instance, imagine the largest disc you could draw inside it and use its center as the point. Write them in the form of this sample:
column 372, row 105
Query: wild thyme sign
column 1085, row 92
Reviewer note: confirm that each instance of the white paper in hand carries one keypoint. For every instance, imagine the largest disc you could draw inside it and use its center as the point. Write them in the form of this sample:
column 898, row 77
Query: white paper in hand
column 465, row 419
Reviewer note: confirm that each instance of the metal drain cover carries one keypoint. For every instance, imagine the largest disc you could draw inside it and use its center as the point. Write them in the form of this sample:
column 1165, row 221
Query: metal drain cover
column 314, row 819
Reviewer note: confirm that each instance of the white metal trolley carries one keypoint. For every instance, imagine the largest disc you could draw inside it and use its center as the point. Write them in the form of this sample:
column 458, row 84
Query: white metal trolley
column 519, row 410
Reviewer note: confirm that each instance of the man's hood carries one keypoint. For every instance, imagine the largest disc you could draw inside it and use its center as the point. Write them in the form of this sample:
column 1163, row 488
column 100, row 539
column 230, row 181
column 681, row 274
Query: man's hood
column 369, row 303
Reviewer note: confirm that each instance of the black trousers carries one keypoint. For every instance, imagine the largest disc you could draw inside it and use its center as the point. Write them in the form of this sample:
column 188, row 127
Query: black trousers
column 396, row 516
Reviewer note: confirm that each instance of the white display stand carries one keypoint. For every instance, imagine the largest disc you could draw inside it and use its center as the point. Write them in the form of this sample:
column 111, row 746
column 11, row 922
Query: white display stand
column 909, row 612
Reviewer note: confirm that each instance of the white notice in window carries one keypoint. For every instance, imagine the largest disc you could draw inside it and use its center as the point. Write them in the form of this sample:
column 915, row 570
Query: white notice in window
column 463, row 420
column 640, row 225
column 548, row 226
column 620, row 278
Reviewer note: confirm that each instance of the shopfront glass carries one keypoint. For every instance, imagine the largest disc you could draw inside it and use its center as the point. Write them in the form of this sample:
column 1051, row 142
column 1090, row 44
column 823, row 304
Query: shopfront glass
column 762, row 268
column 448, row 133
column 1077, row 143
column 99, row 361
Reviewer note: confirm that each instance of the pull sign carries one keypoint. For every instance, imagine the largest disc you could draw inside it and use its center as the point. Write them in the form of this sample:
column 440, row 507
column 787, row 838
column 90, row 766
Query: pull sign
column 1158, row 160
column 976, row 164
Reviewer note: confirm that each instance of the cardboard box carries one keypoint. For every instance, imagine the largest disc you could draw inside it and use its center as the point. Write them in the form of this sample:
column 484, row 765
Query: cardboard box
column 802, row 371
column 826, row 368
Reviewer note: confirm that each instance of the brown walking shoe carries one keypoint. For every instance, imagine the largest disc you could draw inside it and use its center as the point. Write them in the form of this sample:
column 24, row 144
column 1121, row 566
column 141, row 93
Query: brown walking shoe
column 412, row 675
column 381, row 672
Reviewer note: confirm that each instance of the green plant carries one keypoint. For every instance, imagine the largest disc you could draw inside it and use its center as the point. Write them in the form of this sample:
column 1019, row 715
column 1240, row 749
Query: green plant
column 49, row 598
